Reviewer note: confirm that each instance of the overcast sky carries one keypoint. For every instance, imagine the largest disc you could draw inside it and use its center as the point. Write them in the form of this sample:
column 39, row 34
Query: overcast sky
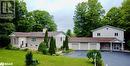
column 63, row 10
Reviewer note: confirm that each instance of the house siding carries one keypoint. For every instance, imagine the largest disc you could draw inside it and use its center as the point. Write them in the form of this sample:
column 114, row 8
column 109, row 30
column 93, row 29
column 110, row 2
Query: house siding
column 109, row 32
column 17, row 41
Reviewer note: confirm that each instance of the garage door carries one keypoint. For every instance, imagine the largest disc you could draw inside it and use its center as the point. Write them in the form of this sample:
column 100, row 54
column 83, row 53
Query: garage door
column 93, row 46
column 83, row 46
column 75, row 46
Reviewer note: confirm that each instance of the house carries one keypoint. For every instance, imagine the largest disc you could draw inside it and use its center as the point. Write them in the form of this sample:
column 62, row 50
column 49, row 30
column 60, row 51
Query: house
column 103, row 38
column 32, row 40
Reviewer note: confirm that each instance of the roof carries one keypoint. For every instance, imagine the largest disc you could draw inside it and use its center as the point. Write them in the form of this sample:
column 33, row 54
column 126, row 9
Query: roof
column 34, row 34
column 109, row 27
column 92, row 39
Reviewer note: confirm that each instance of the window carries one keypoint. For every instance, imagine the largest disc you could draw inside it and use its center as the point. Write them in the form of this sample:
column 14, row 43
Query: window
column 98, row 34
column 26, row 45
column 61, row 39
column 33, row 39
column 116, row 34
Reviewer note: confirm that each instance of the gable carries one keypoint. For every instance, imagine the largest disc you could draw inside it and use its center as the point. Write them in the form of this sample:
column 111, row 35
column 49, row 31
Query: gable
column 110, row 27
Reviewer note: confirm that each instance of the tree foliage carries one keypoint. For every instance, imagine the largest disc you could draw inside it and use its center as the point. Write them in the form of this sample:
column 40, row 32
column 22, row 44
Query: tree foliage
column 87, row 17
column 43, row 18
column 68, row 33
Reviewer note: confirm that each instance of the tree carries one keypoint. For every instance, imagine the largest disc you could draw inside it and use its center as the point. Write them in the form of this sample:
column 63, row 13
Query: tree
column 68, row 33
column 20, row 16
column 65, row 43
column 37, row 27
column 125, row 10
column 91, row 55
column 113, row 17
column 43, row 18
column 87, row 17
column 52, row 46
column 46, row 38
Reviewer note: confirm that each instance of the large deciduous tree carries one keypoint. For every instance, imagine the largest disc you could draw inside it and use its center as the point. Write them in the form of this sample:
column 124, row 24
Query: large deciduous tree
column 87, row 17
column 43, row 18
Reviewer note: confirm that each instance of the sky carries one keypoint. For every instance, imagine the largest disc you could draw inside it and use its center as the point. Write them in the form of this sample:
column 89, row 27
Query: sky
column 63, row 10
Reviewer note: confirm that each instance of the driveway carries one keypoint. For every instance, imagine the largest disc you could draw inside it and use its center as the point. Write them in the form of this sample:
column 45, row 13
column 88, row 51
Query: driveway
column 110, row 58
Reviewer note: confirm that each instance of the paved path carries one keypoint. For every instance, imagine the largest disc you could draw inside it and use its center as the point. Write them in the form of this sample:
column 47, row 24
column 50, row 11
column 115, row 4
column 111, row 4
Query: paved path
column 110, row 58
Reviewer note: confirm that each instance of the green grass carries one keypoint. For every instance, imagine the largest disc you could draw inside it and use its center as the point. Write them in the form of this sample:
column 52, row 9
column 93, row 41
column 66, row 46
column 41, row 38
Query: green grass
column 18, row 57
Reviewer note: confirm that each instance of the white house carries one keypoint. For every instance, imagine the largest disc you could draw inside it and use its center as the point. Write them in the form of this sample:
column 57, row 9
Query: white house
column 32, row 40
column 103, row 38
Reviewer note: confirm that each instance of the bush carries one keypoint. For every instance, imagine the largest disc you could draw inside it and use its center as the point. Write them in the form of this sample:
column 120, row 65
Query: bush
column 4, row 41
column 43, row 48
column 52, row 46
column 29, row 60
column 91, row 55
column 128, row 43
column 10, row 47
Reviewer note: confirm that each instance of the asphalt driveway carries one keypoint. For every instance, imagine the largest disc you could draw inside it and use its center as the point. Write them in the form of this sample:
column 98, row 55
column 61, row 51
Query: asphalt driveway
column 110, row 58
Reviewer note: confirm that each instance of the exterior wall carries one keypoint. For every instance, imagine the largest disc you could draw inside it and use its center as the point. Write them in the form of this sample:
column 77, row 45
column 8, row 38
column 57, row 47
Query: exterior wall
column 59, row 40
column 34, row 44
column 14, row 41
column 22, row 40
column 110, row 32
column 17, row 41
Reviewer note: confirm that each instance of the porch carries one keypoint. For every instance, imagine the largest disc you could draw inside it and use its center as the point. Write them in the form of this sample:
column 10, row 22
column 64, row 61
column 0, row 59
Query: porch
column 112, row 46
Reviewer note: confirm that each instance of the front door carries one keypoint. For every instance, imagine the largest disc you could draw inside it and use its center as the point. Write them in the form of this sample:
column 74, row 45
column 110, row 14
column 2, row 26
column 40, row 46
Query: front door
column 116, row 47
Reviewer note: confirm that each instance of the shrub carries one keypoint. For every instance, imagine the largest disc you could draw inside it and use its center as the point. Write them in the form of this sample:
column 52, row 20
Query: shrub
column 29, row 60
column 52, row 46
column 91, row 55
column 9, row 47
column 4, row 40
column 128, row 43
column 65, row 44
column 43, row 48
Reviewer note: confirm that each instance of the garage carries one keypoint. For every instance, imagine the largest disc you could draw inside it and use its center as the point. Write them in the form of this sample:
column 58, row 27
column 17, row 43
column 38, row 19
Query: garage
column 93, row 46
column 83, row 46
column 75, row 46
column 82, row 43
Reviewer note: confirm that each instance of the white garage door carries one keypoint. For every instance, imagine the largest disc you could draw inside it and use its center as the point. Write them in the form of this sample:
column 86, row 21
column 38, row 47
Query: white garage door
column 83, row 46
column 93, row 46
column 75, row 46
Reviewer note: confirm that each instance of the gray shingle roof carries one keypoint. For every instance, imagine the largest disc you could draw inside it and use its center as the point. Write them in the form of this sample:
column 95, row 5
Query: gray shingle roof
column 34, row 34
column 91, row 39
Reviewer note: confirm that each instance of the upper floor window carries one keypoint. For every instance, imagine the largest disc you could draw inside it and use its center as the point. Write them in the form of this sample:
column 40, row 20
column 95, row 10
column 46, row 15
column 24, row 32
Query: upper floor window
column 33, row 39
column 98, row 34
column 116, row 34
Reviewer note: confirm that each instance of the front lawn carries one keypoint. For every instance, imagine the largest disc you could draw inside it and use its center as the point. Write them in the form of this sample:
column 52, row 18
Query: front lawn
column 18, row 57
